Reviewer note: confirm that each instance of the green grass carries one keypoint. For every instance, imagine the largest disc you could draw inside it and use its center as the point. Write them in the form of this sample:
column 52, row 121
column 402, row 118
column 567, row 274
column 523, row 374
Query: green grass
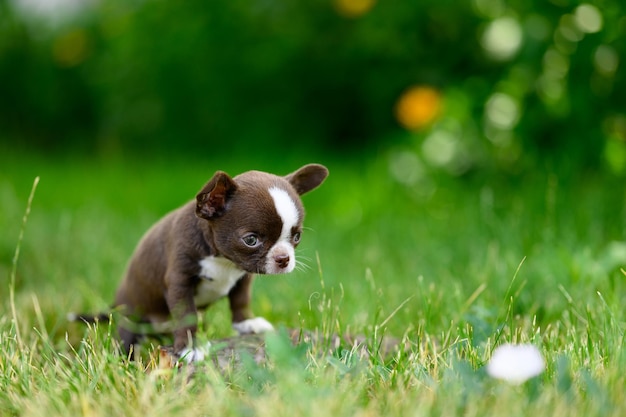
column 455, row 267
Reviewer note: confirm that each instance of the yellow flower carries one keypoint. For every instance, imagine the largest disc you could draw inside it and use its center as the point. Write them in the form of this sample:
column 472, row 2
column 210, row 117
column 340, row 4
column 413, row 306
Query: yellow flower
column 418, row 107
column 353, row 8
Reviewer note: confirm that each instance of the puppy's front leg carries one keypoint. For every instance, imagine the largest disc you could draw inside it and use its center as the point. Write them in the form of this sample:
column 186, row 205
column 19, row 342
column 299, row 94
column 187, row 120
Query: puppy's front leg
column 179, row 298
column 243, row 319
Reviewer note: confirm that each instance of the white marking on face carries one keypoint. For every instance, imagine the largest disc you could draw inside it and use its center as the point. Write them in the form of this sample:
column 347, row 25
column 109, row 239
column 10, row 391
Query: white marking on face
column 288, row 212
column 286, row 209
column 219, row 275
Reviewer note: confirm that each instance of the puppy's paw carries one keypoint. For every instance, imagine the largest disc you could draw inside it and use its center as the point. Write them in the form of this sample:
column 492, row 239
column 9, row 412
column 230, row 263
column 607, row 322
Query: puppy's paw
column 196, row 354
column 255, row 325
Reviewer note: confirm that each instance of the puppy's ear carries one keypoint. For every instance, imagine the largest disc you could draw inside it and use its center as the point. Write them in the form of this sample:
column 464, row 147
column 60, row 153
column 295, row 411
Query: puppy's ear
column 307, row 178
column 211, row 200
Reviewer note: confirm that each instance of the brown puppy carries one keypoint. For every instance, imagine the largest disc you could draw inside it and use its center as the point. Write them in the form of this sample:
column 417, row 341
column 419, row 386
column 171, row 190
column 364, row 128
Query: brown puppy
column 210, row 248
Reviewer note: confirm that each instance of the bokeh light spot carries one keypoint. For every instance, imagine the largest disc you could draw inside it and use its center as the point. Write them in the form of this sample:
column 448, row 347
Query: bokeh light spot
column 353, row 8
column 569, row 29
column 502, row 38
column 489, row 8
column 615, row 155
column 551, row 83
column 440, row 148
column 555, row 63
column 606, row 60
column 588, row 18
column 55, row 11
column 418, row 107
column 406, row 167
column 71, row 48
column 537, row 27
column 502, row 111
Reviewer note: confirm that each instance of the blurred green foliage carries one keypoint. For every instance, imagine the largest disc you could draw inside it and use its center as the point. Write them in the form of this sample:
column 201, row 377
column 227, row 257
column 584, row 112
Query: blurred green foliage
column 517, row 84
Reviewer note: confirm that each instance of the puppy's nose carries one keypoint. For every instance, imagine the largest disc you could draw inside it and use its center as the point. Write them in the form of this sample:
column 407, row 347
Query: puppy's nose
column 282, row 260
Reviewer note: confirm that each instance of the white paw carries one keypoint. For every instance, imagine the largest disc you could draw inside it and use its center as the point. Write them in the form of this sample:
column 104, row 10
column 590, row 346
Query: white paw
column 197, row 354
column 255, row 325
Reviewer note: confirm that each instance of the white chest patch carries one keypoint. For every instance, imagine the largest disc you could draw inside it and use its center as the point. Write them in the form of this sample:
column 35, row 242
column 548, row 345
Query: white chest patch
column 218, row 276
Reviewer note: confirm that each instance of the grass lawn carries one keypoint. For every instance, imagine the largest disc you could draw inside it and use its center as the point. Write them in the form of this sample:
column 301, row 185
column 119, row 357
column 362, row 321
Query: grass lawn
column 452, row 267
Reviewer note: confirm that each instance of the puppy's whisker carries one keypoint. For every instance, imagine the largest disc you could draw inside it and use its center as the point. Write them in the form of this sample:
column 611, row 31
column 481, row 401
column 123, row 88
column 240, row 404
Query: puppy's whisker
column 302, row 266
column 304, row 258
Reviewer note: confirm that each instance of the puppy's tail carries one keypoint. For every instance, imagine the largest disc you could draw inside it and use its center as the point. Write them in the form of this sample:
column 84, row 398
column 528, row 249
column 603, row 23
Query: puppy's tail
column 89, row 318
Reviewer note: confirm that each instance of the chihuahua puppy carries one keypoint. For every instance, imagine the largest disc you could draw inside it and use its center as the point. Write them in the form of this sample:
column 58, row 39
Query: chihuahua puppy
column 211, row 248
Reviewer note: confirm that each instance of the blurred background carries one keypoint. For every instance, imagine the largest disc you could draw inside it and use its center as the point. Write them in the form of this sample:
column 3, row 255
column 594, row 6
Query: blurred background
column 453, row 86
column 464, row 139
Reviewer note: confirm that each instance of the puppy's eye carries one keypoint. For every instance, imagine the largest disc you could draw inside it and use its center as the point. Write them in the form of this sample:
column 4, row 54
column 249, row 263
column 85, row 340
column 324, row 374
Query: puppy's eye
column 296, row 237
column 251, row 240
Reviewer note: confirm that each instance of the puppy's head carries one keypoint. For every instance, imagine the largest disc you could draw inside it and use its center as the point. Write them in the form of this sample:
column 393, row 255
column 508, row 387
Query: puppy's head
column 256, row 217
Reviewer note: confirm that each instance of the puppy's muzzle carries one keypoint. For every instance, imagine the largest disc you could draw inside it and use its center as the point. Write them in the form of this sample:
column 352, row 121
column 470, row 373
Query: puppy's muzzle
column 282, row 260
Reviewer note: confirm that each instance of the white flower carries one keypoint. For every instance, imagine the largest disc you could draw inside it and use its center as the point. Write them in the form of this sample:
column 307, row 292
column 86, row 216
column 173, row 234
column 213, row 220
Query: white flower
column 515, row 363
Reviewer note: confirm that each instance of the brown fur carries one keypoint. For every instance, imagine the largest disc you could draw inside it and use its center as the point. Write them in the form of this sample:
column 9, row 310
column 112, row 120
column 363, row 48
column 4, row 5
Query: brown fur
column 162, row 276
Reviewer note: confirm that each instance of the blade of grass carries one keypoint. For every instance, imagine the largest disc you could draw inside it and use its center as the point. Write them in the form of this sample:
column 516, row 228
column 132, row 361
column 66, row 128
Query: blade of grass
column 16, row 257
column 511, row 298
